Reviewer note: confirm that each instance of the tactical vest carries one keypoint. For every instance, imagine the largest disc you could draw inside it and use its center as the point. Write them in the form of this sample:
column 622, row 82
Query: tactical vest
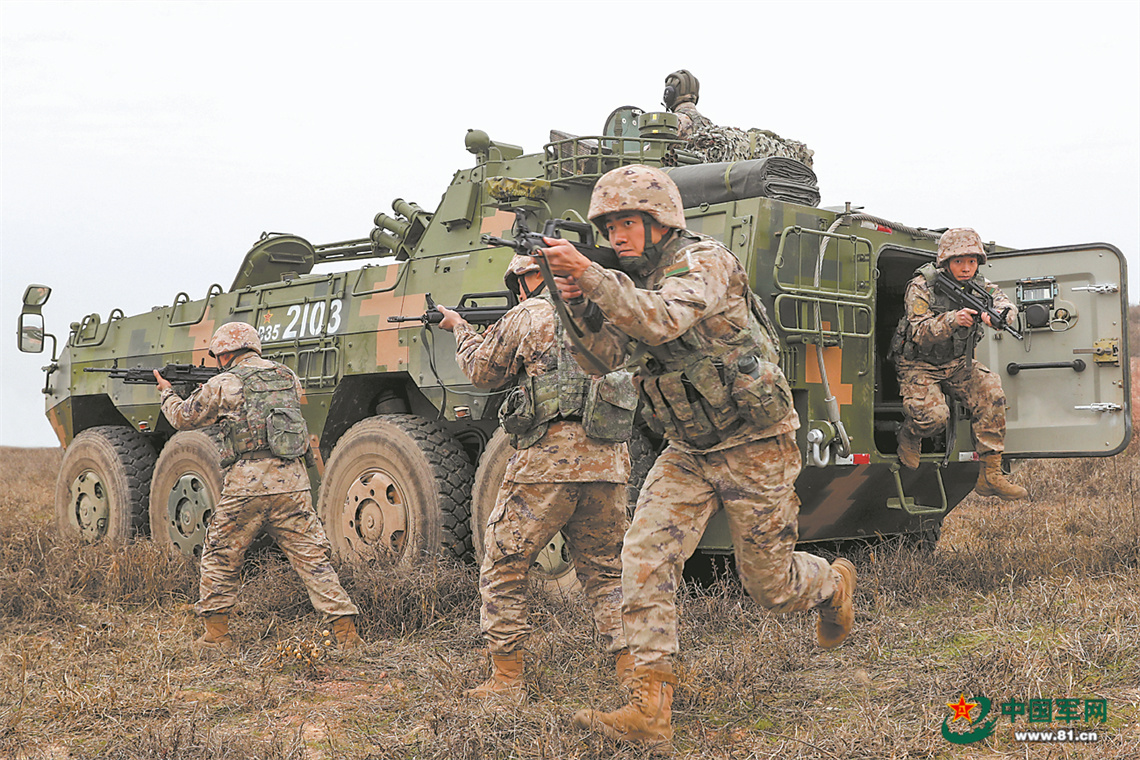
column 606, row 405
column 903, row 345
column 270, row 422
column 701, row 391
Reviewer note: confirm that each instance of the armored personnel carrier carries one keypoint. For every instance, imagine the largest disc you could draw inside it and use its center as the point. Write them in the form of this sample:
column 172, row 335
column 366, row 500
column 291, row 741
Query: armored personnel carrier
column 407, row 459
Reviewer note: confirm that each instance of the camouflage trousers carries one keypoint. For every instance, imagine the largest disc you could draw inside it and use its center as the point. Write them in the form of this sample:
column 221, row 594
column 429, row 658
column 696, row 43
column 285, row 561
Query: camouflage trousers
column 592, row 518
column 754, row 483
column 974, row 385
column 289, row 519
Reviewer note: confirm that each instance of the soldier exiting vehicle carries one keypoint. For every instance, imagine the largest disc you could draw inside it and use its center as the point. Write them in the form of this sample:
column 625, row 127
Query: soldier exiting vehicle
column 569, row 473
column 706, row 363
column 933, row 350
column 256, row 405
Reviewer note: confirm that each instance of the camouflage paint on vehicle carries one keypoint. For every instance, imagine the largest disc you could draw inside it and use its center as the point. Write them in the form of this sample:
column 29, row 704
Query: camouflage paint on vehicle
column 832, row 279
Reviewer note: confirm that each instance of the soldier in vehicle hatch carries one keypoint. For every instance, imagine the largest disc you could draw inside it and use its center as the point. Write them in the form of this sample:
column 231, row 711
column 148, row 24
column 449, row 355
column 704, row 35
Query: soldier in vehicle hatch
column 256, row 405
column 933, row 350
column 569, row 472
column 706, row 363
column 716, row 143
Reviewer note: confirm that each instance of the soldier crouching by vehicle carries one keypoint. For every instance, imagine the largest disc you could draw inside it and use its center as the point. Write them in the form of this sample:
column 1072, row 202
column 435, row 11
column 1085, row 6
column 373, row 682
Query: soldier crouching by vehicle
column 706, row 358
column 933, row 351
column 256, row 405
column 569, row 473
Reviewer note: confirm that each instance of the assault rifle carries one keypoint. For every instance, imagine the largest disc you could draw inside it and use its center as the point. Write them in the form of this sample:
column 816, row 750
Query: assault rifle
column 175, row 373
column 473, row 313
column 967, row 295
column 526, row 242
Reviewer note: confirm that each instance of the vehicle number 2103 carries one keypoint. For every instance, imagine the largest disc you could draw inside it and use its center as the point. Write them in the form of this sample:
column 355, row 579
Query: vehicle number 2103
column 308, row 320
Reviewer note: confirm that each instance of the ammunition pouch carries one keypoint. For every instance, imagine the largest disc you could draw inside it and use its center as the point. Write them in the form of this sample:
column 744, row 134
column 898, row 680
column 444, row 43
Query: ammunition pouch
column 287, row 433
column 605, row 406
column 526, row 415
column 763, row 395
column 733, row 381
column 611, row 405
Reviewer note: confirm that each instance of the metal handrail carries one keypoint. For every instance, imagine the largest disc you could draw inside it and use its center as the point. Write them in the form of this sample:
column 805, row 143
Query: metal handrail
column 182, row 299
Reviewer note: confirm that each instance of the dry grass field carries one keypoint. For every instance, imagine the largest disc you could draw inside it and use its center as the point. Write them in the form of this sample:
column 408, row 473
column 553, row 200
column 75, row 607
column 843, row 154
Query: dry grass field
column 1034, row 600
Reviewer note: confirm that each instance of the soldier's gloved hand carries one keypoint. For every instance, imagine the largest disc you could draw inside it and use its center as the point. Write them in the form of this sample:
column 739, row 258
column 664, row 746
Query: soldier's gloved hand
column 451, row 319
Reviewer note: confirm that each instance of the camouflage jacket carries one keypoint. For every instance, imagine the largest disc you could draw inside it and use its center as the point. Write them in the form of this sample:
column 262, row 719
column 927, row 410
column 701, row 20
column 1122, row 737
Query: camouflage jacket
column 927, row 336
column 690, row 119
column 523, row 342
column 699, row 292
column 221, row 397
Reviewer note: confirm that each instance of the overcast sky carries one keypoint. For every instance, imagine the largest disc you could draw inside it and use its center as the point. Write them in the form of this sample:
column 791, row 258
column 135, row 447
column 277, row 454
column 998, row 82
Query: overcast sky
column 145, row 146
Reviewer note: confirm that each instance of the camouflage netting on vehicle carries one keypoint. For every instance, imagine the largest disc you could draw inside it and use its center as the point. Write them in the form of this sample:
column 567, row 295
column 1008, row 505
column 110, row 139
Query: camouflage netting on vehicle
column 716, row 143
column 781, row 178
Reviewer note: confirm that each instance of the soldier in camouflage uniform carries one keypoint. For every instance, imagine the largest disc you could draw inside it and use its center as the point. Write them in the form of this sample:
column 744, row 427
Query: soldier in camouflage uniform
column 706, row 359
column 714, row 143
column 568, row 474
column 933, row 350
column 682, row 91
column 254, row 405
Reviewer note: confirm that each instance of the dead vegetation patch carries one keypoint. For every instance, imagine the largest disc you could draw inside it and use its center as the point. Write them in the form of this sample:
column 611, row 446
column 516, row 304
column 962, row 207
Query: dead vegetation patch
column 1024, row 600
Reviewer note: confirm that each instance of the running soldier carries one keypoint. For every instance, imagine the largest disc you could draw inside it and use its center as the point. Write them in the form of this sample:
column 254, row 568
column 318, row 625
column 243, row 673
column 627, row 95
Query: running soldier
column 255, row 405
column 706, row 358
column 933, row 351
column 568, row 474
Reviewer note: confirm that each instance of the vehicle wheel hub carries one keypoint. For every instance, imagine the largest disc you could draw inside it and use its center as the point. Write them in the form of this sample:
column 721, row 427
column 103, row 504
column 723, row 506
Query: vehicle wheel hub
column 190, row 508
column 90, row 510
column 554, row 561
column 375, row 514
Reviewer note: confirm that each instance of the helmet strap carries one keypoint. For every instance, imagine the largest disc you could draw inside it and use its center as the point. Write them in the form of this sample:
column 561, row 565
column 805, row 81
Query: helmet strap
column 527, row 291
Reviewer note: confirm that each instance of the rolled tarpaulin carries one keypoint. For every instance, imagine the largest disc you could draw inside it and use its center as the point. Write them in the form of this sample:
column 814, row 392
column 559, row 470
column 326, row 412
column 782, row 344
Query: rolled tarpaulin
column 774, row 177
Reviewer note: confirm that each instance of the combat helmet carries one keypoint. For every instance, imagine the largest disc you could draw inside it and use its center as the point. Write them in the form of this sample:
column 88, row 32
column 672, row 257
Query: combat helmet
column 960, row 241
column 519, row 266
column 681, row 87
column 636, row 188
column 233, row 337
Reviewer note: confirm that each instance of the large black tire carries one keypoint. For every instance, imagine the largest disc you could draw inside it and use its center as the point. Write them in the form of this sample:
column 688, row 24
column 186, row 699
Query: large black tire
column 186, row 488
column 397, row 484
column 554, row 568
column 103, row 486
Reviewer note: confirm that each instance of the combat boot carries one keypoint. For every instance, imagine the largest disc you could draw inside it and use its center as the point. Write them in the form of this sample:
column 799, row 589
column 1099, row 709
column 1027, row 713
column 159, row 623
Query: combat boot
column 217, row 636
column 345, row 631
column 991, row 481
column 506, row 678
column 837, row 614
column 909, row 448
column 624, row 664
column 646, row 719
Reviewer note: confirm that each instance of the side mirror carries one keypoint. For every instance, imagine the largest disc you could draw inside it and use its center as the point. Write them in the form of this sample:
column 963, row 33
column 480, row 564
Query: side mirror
column 36, row 295
column 31, row 329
